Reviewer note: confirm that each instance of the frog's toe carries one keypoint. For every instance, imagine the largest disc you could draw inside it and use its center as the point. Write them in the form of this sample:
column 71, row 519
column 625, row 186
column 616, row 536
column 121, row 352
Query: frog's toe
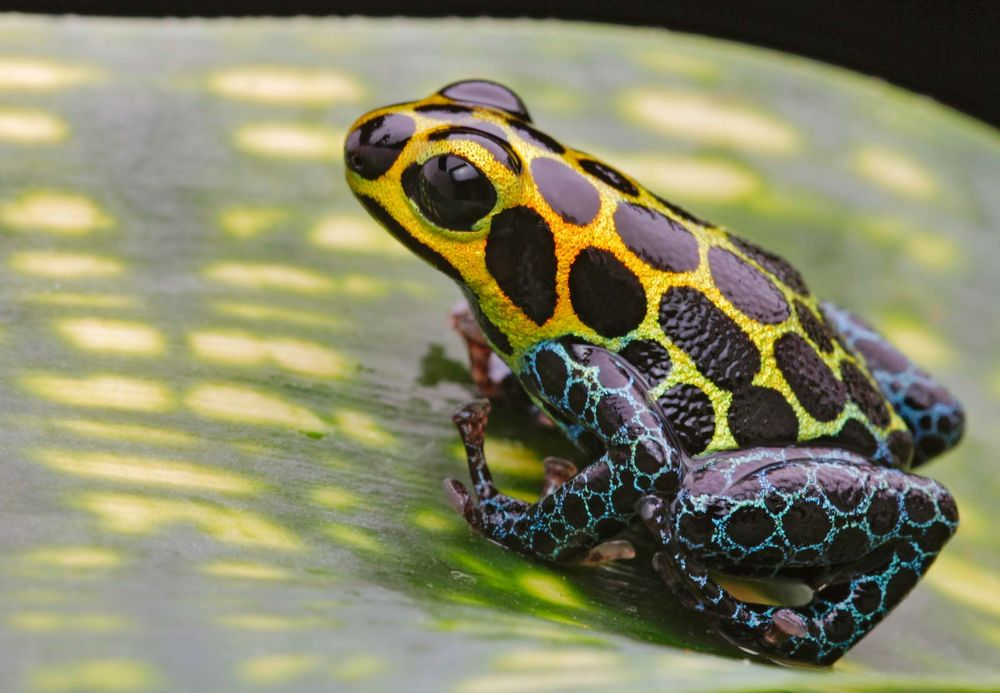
column 614, row 550
column 461, row 500
column 557, row 472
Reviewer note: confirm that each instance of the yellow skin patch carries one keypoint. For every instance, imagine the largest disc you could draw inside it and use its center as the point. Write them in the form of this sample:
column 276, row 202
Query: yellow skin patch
column 465, row 251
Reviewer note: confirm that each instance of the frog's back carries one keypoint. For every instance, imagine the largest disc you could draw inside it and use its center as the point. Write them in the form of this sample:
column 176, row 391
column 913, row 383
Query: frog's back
column 735, row 348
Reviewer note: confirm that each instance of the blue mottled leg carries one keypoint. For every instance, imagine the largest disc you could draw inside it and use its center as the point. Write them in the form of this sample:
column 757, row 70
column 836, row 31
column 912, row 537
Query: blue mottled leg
column 933, row 415
column 602, row 403
column 861, row 534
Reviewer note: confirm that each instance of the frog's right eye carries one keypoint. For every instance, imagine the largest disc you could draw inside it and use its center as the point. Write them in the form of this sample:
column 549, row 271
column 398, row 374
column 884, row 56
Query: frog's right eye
column 450, row 191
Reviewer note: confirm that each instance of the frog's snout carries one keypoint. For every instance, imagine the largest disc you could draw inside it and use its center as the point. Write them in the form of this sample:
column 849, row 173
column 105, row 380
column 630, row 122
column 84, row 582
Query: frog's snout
column 373, row 146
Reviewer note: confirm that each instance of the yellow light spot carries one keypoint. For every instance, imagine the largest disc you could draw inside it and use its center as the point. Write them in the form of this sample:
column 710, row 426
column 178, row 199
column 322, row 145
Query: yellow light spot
column 30, row 127
column 245, row 222
column 364, row 286
column 711, row 120
column 358, row 668
column 126, row 432
column 95, row 675
column 918, row 342
column 291, row 141
column 362, row 428
column 895, row 172
column 678, row 63
column 929, row 249
column 110, row 391
column 258, row 312
column 273, row 669
column 131, row 514
column 269, row 276
column 285, row 85
column 243, row 404
column 245, row 571
column 55, row 265
column 84, row 300
column 432, row 521
column 549, row 588
column 543, row 660
column 267, row 622
column 75, row 557
column 24, row 73
column 335, row 498
column 353, row 537
column 116, row 336
column 348, row 232
column 53, row 212
column 558, row 680
column 133, row 469
column 52, row 620
column 242, row 348
column 966, row 583
column 692, row 178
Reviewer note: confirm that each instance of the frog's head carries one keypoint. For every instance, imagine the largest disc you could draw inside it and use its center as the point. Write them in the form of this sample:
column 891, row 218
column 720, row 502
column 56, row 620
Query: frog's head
column 435, row 172
column 465, row 181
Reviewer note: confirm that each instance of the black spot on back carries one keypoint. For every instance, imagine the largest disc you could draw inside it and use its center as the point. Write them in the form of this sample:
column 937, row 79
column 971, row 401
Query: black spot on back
column 521, row 256
column 720, row 349
column 535, row 137
column 611, row 176
column 751, row 292
column 817, row 330
column 853, row 436
column 690, row 412
column 774, row 264
column 650, row 358
column 682, row 213
column 864, row 393
column 371, row 149
column 817, row 389
column 497, row 146
column 486, row 93
column 568, row 193
column 760, row 415
column 660, row 241
column 606, row 295
column 901, row 447
column 402, row 235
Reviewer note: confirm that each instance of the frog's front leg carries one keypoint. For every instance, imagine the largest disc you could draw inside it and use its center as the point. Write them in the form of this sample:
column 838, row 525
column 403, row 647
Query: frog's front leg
column 860, row 534
column 935, row 418
column 604, row 402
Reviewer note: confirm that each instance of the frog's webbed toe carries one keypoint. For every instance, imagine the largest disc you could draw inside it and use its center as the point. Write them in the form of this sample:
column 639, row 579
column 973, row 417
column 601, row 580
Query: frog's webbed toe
column 863, row 532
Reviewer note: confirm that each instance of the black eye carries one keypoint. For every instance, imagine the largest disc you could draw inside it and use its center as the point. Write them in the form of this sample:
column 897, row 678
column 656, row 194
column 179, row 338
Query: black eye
column 452, row 193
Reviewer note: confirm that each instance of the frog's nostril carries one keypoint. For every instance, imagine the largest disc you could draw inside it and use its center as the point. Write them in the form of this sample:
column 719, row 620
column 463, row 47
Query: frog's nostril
column 372, row 148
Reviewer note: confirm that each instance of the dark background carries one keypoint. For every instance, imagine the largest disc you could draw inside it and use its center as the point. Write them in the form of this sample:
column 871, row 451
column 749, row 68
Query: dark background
column 947, row 50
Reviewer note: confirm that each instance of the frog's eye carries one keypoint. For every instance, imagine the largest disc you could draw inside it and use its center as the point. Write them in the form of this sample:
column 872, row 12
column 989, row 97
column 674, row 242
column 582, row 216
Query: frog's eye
column 450, row 191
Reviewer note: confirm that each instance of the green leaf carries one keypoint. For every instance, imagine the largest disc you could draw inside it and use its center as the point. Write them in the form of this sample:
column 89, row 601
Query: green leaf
column 226, row 393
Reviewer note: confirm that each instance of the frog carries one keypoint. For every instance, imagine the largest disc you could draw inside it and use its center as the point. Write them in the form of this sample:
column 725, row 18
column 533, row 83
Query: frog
column 754, row 429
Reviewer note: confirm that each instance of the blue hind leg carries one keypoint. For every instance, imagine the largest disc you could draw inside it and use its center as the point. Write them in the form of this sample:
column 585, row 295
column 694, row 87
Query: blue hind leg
column 935, row 418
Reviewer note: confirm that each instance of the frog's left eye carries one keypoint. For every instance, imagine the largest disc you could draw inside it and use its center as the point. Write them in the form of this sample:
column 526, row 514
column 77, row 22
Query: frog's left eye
column 450, row 191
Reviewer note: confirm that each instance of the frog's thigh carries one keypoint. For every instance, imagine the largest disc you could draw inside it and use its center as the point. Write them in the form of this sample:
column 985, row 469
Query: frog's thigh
column 864, row 531
column 935, row 418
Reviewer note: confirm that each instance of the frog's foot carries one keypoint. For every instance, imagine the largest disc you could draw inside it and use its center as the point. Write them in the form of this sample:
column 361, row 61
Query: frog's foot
column 557, row 472
column 933, row 415
column 863, row 534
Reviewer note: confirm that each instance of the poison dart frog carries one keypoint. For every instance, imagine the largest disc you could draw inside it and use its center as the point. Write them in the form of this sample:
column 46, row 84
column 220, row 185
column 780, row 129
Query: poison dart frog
column 754, row 429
